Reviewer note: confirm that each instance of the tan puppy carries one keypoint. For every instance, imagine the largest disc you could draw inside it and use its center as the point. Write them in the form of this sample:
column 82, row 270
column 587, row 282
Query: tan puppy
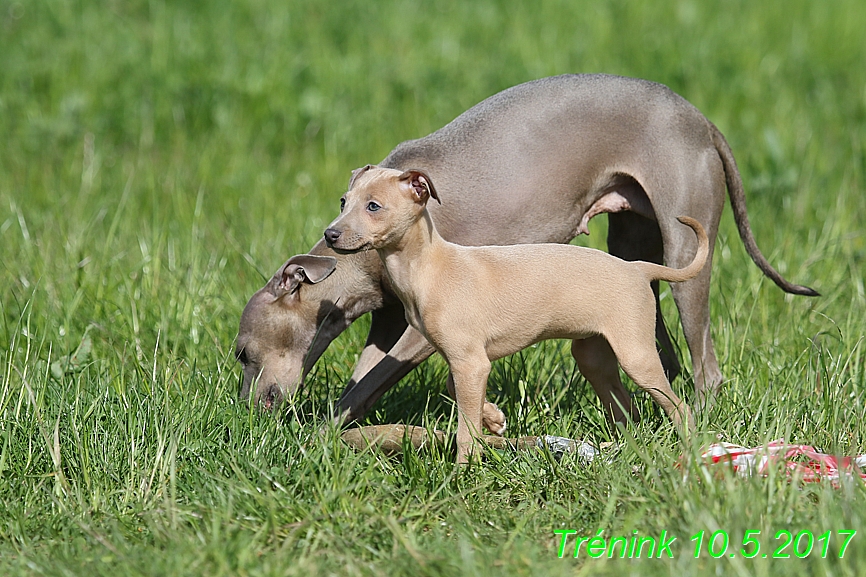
column 478, row 304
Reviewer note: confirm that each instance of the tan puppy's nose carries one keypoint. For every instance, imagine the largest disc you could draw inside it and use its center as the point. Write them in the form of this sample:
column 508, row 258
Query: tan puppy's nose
column 332, row 235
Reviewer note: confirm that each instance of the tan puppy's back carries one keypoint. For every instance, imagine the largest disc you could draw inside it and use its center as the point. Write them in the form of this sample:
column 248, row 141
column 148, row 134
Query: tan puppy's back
column 501, row 288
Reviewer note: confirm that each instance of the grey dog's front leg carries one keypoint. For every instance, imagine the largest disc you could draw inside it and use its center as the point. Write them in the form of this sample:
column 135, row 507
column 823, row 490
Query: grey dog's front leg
column 393, row 349
column 386, row 328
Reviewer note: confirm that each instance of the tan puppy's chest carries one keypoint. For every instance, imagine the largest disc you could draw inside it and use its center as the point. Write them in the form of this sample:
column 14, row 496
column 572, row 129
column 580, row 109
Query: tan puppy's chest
column 415, row 317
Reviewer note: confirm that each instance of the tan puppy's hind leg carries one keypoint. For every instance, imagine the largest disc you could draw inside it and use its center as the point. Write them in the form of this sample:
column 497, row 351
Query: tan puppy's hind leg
column 597, row 363
column 645, row 369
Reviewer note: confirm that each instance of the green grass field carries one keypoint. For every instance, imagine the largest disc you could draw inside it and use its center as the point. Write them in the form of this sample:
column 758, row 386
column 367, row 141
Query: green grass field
column 160, row 159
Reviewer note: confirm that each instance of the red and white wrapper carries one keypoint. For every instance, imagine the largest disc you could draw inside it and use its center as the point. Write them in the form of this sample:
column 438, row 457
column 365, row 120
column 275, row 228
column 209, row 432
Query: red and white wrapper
column 803, row 462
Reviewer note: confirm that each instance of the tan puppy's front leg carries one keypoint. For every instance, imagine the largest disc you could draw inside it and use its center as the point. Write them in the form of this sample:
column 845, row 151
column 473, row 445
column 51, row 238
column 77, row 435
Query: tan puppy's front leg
column 492, row 418
column 470, row 388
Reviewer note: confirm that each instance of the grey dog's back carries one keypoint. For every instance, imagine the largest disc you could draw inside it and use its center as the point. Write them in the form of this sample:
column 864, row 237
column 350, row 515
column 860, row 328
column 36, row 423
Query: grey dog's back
column 609, row 122
column 559, row 103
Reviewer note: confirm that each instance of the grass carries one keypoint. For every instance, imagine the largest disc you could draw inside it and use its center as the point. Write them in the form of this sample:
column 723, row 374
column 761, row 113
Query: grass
column 159, row 160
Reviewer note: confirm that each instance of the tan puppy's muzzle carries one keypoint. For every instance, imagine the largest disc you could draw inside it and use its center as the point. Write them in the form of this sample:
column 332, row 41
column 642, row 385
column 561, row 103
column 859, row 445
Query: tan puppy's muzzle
column 332, row 235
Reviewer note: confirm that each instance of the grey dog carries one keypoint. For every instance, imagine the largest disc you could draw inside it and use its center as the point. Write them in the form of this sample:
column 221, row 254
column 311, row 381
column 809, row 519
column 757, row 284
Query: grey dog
column 531, row 164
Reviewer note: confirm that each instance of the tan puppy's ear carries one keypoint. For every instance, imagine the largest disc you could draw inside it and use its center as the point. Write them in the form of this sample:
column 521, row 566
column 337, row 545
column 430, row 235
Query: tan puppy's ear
column 301, row 268
column 421, row 184
column 357, row 173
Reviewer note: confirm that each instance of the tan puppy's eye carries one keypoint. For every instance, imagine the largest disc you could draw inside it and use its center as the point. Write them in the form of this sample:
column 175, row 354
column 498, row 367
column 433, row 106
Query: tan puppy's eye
column 342, row 204
column 373, row 206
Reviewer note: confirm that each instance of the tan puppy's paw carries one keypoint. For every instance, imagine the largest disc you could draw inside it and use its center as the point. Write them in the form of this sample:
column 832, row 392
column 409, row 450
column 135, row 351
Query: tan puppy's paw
column 493, row 419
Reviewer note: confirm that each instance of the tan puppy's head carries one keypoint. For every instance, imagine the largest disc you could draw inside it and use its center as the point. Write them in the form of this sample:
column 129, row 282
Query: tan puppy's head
column 380, row 206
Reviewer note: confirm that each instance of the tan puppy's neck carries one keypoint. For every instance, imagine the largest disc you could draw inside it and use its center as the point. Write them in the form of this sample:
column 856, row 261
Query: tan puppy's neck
column 409, row 260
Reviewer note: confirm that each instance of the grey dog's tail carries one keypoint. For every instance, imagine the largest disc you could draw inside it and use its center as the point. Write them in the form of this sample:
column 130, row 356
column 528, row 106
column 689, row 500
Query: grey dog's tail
column 741, row 217
column 659, row 272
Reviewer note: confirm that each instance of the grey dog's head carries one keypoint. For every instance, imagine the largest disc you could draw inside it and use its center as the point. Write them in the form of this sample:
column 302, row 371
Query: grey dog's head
column 277, row 329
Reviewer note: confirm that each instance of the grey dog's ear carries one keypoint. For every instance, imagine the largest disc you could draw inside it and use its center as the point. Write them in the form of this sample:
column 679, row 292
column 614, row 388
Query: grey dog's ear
column 421, row 184
column 357, row 173
column 301, row 268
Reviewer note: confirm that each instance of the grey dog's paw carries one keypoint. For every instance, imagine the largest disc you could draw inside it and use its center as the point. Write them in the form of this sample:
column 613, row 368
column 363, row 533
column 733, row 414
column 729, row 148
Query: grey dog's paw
column 493, row 419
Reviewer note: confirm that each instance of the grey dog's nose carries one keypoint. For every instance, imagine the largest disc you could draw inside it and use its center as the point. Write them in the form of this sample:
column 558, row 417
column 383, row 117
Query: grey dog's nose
column 332, row 235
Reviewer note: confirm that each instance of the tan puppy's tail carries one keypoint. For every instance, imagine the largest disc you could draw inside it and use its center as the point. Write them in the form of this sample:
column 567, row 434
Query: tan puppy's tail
column 659, row 272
